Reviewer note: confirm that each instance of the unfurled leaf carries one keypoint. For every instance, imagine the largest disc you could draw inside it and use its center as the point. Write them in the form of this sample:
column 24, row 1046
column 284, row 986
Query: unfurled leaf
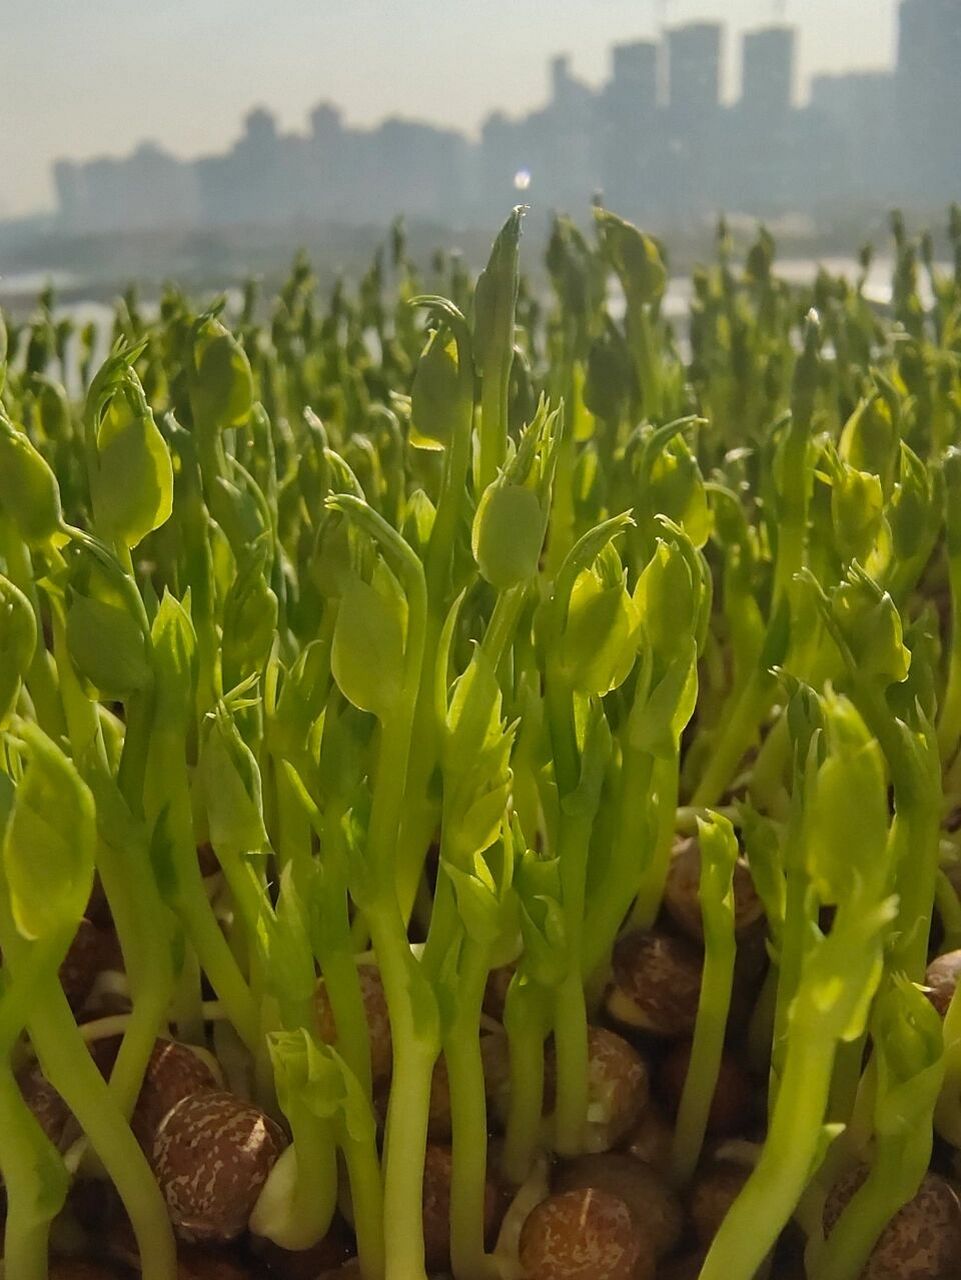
column 49, row 843
column 368, row 654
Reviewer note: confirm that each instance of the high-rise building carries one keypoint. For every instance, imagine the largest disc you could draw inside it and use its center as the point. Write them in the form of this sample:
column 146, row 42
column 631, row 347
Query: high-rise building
column 633, row 84
column 767, row 70
column 694, row 68
column 929, row 92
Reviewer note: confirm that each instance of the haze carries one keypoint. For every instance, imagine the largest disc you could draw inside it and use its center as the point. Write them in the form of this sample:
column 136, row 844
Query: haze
column 86, row 77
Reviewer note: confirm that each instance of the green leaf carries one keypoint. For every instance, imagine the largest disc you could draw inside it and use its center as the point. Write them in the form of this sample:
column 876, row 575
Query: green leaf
column 107, row 646
column 49, row 843
column 368, row 652
column 174, row 644
column 600, row 639
column 231, row 787
column 221, row 386
column 249, row 618
column 508, row 533
column 665, row 598
column 848, row 813
column 29, row 492
column 18, row 641
column 132, row 482
column 634, row 257
column 495, row 298
column 435, row 393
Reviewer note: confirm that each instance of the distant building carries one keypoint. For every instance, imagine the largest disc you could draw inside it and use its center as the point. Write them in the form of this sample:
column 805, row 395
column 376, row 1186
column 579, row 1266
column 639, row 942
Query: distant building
column 767, row 70
column 694, row 69
column 928, row 87
column 632, row 89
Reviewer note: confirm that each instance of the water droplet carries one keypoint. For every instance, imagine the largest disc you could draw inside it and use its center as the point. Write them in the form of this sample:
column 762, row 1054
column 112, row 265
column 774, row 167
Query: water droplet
column 522, row 179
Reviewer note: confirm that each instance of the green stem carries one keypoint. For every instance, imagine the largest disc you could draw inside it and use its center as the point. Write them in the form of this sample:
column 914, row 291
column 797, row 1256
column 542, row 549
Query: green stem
column 949, row 722
column 526, row 1098
column 665, row 780
column 705, row 1061
column 416, row 1046
column 949, row 909
column 631, row 855
column 465, row 1071
column 570, row 1044
column 787, row 1162
column 367, row 1203
column 24, row 1149
column 72, row 1072
column 495, row 383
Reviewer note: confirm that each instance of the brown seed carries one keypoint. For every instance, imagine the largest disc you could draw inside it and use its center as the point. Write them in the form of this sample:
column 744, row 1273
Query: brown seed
column 655, row 1209
column 378, row 1019
column 495, row 994
column 923, row 1239
column 714, row 1190
column 81, row 964
column 212, row 1154
column 51, row 1112
column 942, row 978
column 651, row 1139
column 731, row 1105
column 657, row 984
column 618, row 1085
column 437, row 1174
column 173, row 1072
column 681, row 891
column 584, row 1235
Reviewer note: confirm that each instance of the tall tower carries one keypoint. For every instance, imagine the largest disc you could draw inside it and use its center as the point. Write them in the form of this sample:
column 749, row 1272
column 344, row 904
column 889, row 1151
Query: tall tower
column 929, row 95
column 694, row 68
column 634, row 76
column 767, row 70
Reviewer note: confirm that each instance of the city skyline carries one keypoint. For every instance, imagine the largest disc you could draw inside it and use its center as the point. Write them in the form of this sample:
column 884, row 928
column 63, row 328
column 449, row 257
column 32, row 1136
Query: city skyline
column 111, row 84
column 656, row 138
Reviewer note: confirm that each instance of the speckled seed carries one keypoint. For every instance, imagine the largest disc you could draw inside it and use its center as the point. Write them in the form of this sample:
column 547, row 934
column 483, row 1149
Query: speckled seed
column 438, row 1117
column 51, row 1112
column 714, row 1190
column 378, row 1020
column 656, row 1211
column 437, row 1173
column 619, row 1086
column 681, row 890
column 174, row 1072
column 81, row 964
column 923, row 1239
column 942, row 978
column 650, row 1140
column 657, row 983
column 211, row 1155
column 584, row 1235
column 731, row 1105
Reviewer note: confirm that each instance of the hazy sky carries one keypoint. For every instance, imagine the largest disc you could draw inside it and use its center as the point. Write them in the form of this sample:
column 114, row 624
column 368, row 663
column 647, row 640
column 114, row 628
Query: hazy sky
column 84, row 77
